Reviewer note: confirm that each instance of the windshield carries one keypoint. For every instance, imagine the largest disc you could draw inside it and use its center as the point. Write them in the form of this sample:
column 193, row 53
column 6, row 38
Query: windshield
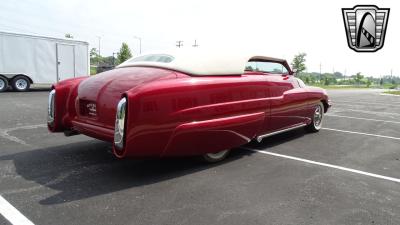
column 153, row 58
column 267, row 67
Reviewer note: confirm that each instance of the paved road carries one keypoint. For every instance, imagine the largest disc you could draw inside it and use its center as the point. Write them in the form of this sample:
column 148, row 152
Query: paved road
column 342, row 175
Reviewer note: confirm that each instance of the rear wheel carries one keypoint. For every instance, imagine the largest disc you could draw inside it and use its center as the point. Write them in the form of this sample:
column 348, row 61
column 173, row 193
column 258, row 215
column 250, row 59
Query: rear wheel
column 3, row 84
column 20, row 83
column 317, row 119
column 216, row 157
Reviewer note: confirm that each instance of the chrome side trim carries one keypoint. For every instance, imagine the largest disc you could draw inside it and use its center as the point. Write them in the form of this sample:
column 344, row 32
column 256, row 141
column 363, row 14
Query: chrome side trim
column 236, row 133
column 259, row 138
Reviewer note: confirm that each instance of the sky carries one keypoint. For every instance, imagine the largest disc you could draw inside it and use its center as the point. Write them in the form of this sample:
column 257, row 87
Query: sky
column 279, row 28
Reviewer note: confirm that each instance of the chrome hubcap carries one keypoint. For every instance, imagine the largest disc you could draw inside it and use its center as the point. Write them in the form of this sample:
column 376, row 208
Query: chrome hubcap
column 2, row 84
column 21, row 84
column 217, row 155
column 318, row 116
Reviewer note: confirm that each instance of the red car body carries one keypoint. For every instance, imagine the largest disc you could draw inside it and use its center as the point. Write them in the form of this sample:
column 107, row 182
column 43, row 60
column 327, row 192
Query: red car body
column 173, row 113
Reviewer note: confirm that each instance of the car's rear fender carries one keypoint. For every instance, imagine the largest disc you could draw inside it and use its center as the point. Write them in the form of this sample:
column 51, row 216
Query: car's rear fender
column 164, row 113
column 64, row 105
column 208, row 136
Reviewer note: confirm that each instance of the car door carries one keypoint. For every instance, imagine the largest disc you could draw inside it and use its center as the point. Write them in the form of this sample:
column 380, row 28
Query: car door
column 285, row 96
column 297, row 100
column 284, row 101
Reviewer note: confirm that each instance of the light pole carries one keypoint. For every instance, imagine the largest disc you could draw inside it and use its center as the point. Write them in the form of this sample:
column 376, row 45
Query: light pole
column 140, row 43
column 113, row 59
column 99, row 38
column 320, row 72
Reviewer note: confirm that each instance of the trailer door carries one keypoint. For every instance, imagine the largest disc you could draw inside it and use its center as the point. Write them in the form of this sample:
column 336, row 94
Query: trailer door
column 65, row 61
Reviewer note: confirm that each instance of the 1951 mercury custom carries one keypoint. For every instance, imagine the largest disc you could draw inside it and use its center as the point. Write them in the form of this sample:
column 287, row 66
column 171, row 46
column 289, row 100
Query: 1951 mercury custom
column 186, row 103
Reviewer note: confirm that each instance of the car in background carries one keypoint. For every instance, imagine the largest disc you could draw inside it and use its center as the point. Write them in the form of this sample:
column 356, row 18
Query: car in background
column 186, row 103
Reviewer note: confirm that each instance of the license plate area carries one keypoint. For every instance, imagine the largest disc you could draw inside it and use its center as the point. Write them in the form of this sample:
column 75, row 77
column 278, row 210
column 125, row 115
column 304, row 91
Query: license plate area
column 88, row 108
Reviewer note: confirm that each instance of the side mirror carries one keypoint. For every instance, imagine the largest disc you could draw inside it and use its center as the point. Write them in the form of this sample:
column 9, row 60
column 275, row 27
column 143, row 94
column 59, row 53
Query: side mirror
column 293, row 72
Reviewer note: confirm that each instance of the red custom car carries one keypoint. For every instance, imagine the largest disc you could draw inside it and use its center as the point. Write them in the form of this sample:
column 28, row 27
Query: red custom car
column 186, row 103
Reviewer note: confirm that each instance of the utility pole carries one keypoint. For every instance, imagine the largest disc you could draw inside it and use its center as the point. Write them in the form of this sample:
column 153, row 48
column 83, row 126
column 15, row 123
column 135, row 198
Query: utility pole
column 140, row 43
column 179, row 44
column 195, row 44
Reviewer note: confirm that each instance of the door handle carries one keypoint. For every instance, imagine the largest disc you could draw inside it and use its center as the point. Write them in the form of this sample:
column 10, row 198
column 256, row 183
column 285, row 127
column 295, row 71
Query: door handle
column 285, row 76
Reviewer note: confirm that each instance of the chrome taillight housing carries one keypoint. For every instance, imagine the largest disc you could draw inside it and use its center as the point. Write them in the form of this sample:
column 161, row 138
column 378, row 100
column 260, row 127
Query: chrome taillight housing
column 51, row 108
column 120, row 124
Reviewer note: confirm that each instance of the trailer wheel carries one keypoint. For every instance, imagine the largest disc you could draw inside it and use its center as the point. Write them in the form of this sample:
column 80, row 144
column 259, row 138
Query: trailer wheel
column 3, row 84
column 20, row 83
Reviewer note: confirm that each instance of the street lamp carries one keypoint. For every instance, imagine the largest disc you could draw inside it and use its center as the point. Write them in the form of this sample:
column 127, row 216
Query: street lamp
column 140, row 43
column 99, row 38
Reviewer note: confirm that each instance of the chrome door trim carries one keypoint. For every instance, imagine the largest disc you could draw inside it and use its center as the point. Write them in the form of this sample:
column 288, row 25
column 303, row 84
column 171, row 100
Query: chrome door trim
column 259, row 138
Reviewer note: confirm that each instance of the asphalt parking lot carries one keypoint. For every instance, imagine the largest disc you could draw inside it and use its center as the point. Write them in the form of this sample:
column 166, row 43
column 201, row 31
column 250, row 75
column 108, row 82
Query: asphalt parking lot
column 348, row 173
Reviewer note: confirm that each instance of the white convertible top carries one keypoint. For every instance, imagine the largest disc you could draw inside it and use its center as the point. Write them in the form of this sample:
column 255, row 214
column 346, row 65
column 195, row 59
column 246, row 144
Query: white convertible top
column 196, row 61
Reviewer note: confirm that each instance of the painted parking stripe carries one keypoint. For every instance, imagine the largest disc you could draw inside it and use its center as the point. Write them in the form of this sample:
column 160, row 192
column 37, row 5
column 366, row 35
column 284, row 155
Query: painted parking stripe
column 373, row 112
column 397, row 180
column 12, row 214
column 342, row 105
column 362, row 118
column 361, row 133
column 393, row 104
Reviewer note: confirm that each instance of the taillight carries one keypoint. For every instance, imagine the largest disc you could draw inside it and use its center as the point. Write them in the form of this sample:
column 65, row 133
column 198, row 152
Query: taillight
column 120, row 124
column 51, row 108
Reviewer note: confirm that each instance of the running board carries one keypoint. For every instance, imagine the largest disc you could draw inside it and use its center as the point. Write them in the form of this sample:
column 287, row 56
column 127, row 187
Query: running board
column 259, row 138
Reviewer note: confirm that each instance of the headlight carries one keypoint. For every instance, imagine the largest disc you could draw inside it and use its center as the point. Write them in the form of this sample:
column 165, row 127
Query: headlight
column 120, row 124
column 50, row 108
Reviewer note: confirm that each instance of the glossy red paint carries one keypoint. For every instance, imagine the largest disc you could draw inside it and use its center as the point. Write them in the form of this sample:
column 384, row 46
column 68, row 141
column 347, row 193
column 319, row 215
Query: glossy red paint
column 174, row 114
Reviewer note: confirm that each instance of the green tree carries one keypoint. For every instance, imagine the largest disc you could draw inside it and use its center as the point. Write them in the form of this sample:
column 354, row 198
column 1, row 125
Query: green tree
column 95, row 58
column 358, row 78
column 124, row 53
column 327, row 81
column 298, row 62
column 69, row 36
column 369, row 82
column 93, row 53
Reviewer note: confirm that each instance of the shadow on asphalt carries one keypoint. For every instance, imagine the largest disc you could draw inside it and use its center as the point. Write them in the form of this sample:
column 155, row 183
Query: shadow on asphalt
column 86, row 169
column 32, row 90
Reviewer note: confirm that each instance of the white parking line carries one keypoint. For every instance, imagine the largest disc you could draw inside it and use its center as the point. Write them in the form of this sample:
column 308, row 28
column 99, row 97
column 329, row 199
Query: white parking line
column 369, row 103
column 4, row 133
column 326, row 165
column 12, row 214
column 373, row 112
column 362, row 118
column 361, row 133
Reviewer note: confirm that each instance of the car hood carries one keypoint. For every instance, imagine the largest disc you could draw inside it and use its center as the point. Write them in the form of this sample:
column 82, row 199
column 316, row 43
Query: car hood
column 98, row 95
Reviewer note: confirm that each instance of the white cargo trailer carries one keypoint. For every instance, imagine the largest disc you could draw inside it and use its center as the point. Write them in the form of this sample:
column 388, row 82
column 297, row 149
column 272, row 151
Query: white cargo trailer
column 27, row 59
